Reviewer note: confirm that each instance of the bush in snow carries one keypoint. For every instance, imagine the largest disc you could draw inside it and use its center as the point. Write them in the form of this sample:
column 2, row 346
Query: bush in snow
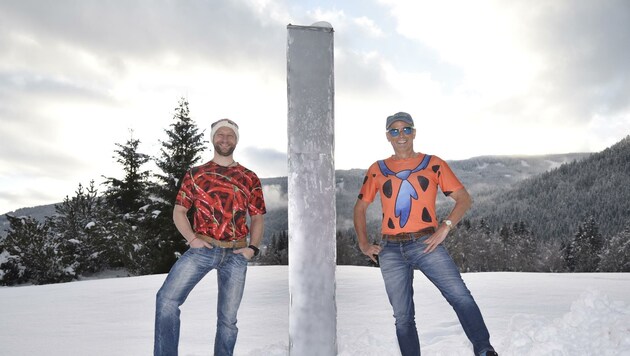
column 32, row 254
column 81, row 226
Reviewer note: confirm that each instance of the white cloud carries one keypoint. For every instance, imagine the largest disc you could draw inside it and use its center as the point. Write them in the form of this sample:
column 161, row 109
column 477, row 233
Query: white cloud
column 529, row 70
column 337, row 18
column 483, row 77
column 483, row 38
column 368, row 26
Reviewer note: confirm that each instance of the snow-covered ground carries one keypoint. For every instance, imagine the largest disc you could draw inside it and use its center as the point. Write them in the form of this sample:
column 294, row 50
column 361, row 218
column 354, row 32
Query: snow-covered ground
column 527, row 314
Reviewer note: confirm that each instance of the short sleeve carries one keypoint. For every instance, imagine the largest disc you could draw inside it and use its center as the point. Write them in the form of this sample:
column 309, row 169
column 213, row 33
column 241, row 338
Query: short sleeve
column 256, row 204
column 185, row 193
column 369, row 188
column 447, row 180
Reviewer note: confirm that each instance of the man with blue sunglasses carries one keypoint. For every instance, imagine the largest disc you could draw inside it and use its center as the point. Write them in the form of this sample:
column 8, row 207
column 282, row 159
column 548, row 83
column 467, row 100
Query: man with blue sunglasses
column 412, row 236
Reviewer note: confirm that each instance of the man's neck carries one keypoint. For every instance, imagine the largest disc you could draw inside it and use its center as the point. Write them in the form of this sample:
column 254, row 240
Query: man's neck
column 405, row 154
column 225, row 161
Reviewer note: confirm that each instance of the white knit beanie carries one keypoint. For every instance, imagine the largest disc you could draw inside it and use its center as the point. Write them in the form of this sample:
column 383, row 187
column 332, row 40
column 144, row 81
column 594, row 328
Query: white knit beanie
column 224, row 123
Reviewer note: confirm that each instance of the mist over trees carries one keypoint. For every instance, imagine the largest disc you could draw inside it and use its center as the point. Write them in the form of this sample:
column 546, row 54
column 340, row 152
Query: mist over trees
column 573, row 218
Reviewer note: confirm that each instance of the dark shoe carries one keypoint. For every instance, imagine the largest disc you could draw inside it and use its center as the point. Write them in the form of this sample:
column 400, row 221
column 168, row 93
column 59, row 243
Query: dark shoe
column 491, row 353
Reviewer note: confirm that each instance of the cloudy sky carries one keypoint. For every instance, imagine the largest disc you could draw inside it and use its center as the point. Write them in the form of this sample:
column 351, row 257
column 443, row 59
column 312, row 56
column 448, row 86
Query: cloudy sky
column 480, row 78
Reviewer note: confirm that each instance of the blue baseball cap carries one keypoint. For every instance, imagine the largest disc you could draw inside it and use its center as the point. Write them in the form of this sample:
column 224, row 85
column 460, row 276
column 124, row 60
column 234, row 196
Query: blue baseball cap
column 399, row 116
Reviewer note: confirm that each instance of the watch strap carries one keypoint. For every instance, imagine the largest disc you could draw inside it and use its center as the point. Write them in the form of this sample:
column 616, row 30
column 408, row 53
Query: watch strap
column 256, row 250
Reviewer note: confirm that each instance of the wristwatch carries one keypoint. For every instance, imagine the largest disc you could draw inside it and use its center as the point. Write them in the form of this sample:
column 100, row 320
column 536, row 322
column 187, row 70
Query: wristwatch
column 255, row 249
column 448, row 224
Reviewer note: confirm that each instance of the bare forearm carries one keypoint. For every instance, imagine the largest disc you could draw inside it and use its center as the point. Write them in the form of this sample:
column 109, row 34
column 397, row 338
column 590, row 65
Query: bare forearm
column 463, row 202
column 360, row 224
column 256, row 230
column 182, row 223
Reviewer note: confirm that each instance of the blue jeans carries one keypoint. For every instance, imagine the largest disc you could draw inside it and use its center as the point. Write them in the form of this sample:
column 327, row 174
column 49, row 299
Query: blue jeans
column 183, row 277
column 398, row 261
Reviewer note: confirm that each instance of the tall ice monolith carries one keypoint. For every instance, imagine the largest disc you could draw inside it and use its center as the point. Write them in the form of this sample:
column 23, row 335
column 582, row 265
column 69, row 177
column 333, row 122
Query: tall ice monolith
column 311, row 190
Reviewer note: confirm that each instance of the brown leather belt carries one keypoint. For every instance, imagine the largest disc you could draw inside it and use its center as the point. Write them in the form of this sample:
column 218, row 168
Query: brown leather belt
column 408, row 236
column 223, row 244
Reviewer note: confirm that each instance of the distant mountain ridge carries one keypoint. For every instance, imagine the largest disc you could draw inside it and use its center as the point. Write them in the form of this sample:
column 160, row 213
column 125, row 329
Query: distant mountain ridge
column 554, row 203
column 483, row 176
column 38, row 212
column 487, row 173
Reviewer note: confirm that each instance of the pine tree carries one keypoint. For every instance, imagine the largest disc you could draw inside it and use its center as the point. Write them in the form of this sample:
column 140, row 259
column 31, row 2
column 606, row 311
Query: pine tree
column 567, row 254
column 130, row 193
column 458, row 244
column 33, row 253
column 282, row 248
column 180, row 151
column 615, row 255
column 476, row 247
column 583, row 254
column 277, row 251
column 81, row 226
column 547, row 257
column 519, row 247
column 137, row 238
column 132, row 225
column 348, row 252
column 12, row 269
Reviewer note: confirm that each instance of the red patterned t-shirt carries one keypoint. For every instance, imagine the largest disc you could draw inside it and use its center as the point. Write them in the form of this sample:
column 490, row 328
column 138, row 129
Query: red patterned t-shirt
column 222, row 197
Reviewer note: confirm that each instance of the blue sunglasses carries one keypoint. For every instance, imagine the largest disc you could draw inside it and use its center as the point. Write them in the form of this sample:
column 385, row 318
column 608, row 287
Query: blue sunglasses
column 408, row 130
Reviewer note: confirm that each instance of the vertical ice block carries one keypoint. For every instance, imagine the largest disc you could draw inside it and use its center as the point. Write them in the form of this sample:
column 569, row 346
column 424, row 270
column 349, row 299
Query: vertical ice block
column 311, row 190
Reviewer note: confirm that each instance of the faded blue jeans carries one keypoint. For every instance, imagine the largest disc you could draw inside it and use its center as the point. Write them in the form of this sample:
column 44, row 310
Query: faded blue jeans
column 398, row 260
column 183, row 277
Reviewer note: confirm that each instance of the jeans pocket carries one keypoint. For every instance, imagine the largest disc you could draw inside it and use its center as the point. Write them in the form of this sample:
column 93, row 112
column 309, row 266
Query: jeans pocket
column 197, row 249
column 241, row 257
column 422, row 240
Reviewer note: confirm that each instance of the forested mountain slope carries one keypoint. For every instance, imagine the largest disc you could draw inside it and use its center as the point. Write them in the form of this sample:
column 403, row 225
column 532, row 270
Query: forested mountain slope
column 553, row 203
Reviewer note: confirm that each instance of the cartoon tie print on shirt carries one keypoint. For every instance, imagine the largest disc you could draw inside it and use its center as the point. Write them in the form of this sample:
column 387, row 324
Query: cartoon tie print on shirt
column 406, row 192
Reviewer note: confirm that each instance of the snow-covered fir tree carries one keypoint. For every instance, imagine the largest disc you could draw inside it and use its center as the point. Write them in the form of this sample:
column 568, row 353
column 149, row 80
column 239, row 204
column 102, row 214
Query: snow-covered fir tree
column 583, row 253
column 133, row 227
column 32, row 254
column 81, row 226
column 519, row 247
column 179, row 152
column 131, row 192
column 615, row 256
column 348, row 252
column 276, row 252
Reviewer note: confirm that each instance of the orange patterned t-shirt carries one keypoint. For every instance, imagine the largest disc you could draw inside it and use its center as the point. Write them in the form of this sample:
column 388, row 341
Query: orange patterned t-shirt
column 408, row 189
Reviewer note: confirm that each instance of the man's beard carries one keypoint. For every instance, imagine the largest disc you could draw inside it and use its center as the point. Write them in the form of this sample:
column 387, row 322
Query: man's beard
column 222, row 152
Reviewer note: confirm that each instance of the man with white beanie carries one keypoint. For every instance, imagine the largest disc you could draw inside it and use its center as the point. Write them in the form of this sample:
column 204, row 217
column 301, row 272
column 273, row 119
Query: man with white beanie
column 222, row 193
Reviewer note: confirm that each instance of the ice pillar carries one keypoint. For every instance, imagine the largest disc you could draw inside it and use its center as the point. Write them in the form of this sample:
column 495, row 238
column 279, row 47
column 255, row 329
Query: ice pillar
column 311, row 190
